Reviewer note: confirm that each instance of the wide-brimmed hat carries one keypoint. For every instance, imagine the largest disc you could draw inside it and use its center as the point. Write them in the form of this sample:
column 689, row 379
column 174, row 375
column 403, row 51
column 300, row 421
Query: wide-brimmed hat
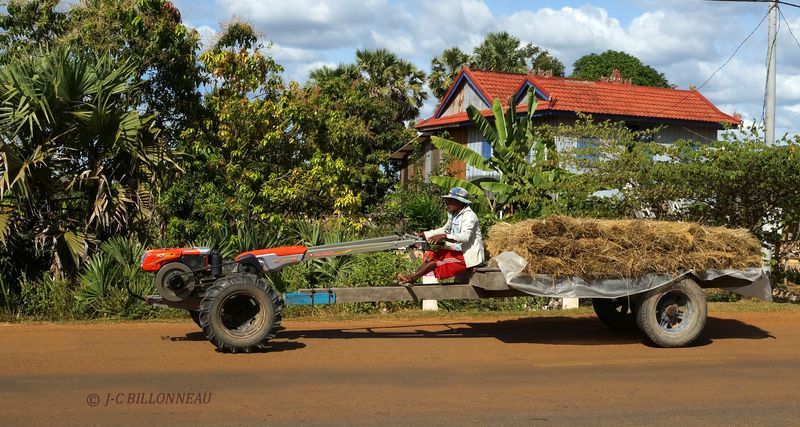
column 458, row 193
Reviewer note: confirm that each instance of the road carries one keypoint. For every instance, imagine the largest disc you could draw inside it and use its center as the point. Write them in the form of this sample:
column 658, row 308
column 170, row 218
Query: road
column 513, row 371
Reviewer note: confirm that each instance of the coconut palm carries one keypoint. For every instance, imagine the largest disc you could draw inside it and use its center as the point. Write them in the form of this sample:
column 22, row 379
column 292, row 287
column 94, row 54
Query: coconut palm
column 444, row 69
column 78, row 162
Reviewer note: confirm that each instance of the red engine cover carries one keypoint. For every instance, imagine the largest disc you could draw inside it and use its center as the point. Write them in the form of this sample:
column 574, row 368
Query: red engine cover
column 155, row 258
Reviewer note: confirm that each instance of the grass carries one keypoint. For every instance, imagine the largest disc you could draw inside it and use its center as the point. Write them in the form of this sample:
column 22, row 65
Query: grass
column 752, row 306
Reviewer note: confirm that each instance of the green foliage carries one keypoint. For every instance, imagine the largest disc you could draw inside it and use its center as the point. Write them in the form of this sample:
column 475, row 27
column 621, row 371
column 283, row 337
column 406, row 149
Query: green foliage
column 107, row 277
column 394, row 78
column 594, row 66
column 356, row 114
column 444, row 69
column 374, row 269
column 77, row 161
column 412, row 207
column 525, row 156
column 47, row 298
column 149, row 35
column 239, row 151
column 29, row 25
column 504, row 52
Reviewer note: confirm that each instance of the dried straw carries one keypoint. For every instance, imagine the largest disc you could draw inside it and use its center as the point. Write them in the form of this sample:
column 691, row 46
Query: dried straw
column 593, row 248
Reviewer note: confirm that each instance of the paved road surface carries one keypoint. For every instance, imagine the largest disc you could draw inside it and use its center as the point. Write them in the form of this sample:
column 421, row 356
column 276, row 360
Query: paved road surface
column 744, row 370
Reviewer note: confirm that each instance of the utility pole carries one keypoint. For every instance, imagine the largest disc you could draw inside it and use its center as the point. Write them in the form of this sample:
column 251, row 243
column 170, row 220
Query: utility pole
column 769, row 97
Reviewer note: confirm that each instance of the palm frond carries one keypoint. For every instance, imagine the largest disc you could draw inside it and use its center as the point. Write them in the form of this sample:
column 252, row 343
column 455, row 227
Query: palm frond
column 500, row 122
column 447, row 182
column 461, row 152
column 486, row 128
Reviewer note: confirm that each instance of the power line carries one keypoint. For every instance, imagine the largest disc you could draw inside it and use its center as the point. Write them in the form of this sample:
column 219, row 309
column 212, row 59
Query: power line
column 726, row 62
column 735, row 51
column 759, row 1
column 788, row 27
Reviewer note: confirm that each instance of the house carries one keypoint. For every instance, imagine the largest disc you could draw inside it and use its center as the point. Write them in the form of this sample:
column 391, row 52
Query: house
column 680, row 114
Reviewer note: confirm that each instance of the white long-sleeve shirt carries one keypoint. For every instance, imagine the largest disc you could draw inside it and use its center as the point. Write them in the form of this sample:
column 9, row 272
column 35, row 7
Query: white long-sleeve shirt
column 464, row 230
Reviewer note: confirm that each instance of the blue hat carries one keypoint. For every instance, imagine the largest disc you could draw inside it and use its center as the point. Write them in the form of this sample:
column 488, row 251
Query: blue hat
column 458, row 193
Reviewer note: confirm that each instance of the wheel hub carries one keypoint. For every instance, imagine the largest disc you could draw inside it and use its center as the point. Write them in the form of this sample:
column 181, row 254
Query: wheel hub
column 241, row 315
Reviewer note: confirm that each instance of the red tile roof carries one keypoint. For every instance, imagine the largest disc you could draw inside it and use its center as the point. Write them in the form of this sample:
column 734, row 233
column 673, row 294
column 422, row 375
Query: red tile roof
column 593, row 97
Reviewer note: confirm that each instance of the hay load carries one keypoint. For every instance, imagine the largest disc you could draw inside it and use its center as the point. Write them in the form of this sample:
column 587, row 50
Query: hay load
column 596, row 249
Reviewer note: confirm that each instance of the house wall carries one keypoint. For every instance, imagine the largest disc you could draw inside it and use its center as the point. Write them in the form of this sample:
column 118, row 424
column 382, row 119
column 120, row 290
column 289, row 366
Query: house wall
column 462, row 100
column 471, row 136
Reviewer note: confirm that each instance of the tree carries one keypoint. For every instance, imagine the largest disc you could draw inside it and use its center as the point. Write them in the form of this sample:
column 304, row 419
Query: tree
column 342, row 112
column 237, row 148
column 77, row 161
column 525, row 157
column 394, row 78
column 540, row 60
column 150, row 35
column 595, row 66
column 28, row 25
column 504, row 52
column 499, row 52
column 444, row 69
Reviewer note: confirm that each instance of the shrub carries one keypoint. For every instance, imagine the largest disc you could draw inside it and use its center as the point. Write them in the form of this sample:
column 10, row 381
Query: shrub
column 47, row 298
column 107, row 277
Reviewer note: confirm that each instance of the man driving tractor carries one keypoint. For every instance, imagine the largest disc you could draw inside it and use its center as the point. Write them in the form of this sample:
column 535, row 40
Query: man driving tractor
column 461, row 236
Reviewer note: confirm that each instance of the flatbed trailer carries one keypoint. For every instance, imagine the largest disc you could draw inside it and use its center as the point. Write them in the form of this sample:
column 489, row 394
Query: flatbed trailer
column 239, row 311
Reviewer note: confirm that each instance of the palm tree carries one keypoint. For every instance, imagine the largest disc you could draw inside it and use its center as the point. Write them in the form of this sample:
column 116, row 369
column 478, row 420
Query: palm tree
column 499, row 52
column 78, row 162
column 349, row 71
column 444, row 69
column 394, row 77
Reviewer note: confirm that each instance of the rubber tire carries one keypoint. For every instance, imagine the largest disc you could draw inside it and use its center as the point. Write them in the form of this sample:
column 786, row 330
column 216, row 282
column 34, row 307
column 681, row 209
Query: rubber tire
column 256, row 289
column 690, row 327
column 610, row 312
column 195, row 315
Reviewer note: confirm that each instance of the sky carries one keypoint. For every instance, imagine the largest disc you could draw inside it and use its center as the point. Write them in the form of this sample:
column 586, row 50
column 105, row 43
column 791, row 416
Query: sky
column 687, row 40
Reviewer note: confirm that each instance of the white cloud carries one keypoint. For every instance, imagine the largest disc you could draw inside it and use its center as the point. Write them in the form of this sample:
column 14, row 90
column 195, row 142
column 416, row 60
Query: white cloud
column 283, row 54
column 310, row 23
column 207, row 35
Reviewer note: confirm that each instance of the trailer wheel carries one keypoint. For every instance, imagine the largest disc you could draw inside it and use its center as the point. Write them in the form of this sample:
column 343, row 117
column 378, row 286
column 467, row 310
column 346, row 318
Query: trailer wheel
column 673, row 315
column 617, row 313
column 240, row 313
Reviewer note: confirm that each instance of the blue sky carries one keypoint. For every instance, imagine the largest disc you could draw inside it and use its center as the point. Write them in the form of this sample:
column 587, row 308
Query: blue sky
column 687, row 40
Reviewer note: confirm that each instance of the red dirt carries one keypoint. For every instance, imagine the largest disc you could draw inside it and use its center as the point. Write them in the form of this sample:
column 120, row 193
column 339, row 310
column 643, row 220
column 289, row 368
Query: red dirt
column 743, row 370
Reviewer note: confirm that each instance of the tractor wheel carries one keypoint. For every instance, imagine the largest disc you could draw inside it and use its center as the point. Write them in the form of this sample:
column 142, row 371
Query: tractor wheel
column 617, row 313
column 240, row 313
column 673, row 315
column 195, row 315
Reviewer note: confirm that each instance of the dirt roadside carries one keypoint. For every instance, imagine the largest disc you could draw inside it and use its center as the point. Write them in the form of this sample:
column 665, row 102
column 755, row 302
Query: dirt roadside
column 500, row 371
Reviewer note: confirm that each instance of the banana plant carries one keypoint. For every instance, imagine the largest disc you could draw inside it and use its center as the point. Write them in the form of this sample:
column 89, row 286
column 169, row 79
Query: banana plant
column 527, row 163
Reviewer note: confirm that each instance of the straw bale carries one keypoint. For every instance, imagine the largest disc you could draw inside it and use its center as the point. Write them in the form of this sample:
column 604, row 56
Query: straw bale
column 593, row 248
